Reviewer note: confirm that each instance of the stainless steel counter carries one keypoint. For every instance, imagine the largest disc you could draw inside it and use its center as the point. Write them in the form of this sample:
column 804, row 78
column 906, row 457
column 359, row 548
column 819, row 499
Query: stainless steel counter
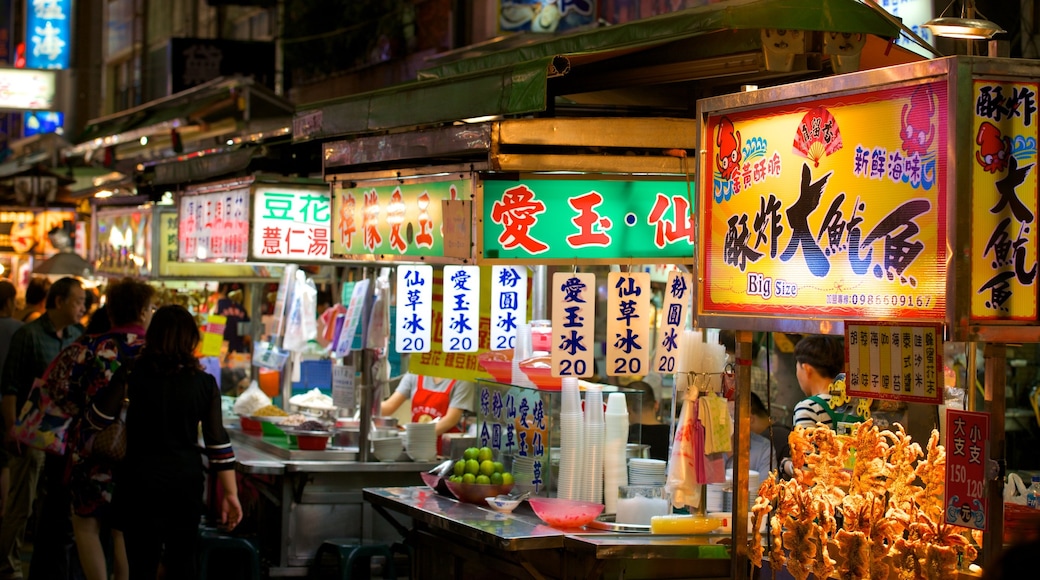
column 460, row 540
column 293, row 500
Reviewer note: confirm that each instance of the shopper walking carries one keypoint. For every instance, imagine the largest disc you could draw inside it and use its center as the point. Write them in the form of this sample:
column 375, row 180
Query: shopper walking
column 159, row 485
column 33, row 347
column 76, row 376
column 8, row 324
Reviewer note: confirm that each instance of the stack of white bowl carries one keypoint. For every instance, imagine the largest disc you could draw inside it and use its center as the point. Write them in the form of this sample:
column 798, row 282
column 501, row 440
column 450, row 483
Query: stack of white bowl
column 387, row 448
column 420, row 441
column 572, row 441
column 754, row 482
column 523, row 473
column 615, row 473
column 594, row 435
column 646, row 471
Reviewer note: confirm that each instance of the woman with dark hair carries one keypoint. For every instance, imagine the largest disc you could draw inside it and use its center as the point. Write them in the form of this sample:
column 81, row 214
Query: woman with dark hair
column 169, row 396
column 86, row 367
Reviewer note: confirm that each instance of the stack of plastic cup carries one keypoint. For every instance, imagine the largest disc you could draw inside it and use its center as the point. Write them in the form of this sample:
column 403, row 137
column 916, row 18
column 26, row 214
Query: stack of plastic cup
column 615, row 472
column 594, row 433
column 522, row 352
column 572, row 441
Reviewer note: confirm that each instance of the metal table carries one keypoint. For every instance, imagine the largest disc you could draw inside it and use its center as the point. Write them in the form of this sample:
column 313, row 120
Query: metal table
column 294, row 500
column 458, row 540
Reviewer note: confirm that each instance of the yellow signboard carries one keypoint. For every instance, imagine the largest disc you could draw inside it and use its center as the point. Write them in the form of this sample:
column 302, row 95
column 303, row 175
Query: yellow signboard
column 833, row 207
column 1004, row 201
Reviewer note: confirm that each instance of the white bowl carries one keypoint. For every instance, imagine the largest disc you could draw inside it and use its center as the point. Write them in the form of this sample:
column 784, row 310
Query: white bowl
column 503, row 505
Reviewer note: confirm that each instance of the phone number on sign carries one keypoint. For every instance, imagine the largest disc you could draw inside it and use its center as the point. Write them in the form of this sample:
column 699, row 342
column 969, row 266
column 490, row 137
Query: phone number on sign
column 904, row 300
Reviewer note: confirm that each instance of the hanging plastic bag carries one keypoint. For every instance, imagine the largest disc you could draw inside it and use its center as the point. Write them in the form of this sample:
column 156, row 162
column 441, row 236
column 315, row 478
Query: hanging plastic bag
column 682, row 480
column 1015, row 490
column 378, row 337
column 301, row 326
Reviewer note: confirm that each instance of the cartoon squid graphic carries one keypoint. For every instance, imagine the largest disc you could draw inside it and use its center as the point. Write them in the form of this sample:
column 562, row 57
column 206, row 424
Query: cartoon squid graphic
column 916, row 119
column 994, row 148
column 728, row 141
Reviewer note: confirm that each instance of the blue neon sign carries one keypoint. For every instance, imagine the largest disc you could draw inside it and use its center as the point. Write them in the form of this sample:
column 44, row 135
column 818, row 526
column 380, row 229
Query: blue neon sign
column 48, row 31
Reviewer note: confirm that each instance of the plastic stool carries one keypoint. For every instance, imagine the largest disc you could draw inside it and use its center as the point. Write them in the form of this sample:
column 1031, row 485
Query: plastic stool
column 349, row 551
column 212, row 541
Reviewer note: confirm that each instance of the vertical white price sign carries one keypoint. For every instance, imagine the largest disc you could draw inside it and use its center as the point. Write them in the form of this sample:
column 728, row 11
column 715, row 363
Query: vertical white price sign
column 414, row 308
column 508, row 304
column 461, row 309
column 573, row 324
column 628, row 323
column 677, row 295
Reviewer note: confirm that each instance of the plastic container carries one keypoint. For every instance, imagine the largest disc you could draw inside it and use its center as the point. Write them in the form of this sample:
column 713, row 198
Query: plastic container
column 312, row 440
column 250, row 425
column 565, row 513
column 1033, row 494
column 683, row 524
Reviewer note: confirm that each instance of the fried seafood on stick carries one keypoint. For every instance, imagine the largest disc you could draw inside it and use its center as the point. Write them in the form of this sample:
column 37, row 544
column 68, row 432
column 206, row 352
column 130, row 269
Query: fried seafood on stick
column 903, row 454
column 932, row 471
column 856, row 548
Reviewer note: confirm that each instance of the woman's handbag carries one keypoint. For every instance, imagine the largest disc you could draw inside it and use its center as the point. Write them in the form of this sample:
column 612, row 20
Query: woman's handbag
column 41, row 423
column 110, row 442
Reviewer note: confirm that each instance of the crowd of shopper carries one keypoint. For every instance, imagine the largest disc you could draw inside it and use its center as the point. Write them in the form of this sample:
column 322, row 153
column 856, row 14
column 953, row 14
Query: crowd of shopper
column 97, row 518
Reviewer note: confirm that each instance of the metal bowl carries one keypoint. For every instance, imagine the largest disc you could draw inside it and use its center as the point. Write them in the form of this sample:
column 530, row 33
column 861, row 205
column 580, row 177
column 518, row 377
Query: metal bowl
column 384, row 422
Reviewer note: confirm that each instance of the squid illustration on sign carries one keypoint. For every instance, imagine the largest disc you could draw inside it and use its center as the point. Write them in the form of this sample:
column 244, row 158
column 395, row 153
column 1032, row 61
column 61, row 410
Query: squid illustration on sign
column 916, row 125
column 994, row 148
column 818, row 135
column 727, row 139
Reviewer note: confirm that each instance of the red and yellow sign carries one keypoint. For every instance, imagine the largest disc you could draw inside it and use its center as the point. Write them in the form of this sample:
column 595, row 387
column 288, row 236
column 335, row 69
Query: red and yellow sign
column 894, row 361
column 830, row 208
column 1004, row 201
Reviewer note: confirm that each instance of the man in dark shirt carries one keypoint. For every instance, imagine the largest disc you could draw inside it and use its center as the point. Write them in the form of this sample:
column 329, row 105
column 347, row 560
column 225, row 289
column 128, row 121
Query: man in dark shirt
column 763, row 425
column 33, row 347
column 645, row 425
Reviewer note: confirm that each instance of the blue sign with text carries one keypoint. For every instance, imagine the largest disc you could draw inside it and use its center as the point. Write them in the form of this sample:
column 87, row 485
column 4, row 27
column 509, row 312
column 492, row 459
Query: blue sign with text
column 48, row 31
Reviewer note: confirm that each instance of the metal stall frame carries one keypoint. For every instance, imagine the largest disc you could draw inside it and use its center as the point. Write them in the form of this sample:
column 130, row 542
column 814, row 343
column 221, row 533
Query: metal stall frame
column 958, row 74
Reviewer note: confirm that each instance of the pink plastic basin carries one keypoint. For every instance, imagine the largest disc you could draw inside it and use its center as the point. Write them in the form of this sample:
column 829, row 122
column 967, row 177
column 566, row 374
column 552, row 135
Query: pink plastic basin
column 565, row 513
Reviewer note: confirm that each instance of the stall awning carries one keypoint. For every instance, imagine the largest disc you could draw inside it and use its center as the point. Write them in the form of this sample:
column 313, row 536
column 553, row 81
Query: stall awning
column 527, row 78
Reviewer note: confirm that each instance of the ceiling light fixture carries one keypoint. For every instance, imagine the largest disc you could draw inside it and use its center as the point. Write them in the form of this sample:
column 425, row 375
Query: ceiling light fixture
column 971, row 25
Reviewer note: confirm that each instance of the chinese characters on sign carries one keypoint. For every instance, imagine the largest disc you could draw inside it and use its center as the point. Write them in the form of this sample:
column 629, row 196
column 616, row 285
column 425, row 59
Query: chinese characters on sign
column 573, row 324
column 574, row 219
column 677, row 295
column 1004, row 201
column 414, row 307
column 214, row 226
column 628, row 323
column 292, row 224
column 890, row 361
column 398, row 220
column 508, row 304
column 48, row 31
column 967, row 442
column 462, row 307
column 512, row 421
column 849, row 222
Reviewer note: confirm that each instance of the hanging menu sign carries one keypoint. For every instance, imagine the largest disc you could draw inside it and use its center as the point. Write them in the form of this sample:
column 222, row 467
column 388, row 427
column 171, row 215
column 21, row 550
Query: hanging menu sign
column 414, row 308
column 892, row 361
column 214, row 227
column 508, row 304
column 292, row 223
column 628, row 323
column 393, row 220
column 678, row 292
column 462, row 307
column 967, row 439
column 573, row 324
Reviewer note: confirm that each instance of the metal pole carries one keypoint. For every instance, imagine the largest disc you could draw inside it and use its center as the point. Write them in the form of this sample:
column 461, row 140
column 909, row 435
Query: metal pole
column 995, row 357
column 539, row 291
column 741, row 459
column 368, row 382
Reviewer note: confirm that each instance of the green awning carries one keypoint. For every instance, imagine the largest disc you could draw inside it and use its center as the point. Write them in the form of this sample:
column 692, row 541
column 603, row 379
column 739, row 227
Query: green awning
column 515, row 81
column 849, row 16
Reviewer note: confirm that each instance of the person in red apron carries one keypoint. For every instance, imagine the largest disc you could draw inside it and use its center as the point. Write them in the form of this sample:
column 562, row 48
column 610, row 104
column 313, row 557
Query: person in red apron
column 433, row 399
